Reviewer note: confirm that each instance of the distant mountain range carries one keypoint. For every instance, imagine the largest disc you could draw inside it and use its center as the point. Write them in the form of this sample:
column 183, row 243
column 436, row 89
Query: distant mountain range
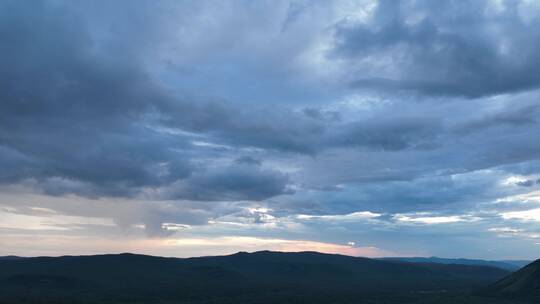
column 260, row 277
column 10, row 257
column 510, row 265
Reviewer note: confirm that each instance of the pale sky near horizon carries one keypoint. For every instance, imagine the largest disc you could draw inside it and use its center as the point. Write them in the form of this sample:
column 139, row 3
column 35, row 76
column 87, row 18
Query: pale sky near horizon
column 189, row 128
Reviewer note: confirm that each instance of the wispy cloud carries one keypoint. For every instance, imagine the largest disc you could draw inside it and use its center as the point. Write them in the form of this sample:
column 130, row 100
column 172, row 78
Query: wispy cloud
column 431, row 219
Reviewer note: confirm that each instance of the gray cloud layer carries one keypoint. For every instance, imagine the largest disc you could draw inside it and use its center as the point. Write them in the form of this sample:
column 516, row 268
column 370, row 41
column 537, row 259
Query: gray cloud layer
column 445, row 48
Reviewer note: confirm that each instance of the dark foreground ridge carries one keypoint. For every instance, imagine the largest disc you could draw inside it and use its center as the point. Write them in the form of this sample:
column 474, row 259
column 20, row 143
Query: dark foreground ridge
column 523, row 284
column 260, row 277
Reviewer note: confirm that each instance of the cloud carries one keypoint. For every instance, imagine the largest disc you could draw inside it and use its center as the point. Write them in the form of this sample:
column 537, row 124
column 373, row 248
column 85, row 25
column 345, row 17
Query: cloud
column 443, row 48
column 527, row 183
column 508, row 116
column 11, row 219
column 505, row 230
column 393, row 133
column 73, row 116
column 86, row 117
column 429, row 219
column 238, row 181
column 526, row 215
column 248, row 160
column 103, row 125
column 360, row 215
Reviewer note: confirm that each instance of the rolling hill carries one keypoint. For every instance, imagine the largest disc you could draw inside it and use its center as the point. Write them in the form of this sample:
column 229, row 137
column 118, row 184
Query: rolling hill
column 510, row 265
column 260, row 277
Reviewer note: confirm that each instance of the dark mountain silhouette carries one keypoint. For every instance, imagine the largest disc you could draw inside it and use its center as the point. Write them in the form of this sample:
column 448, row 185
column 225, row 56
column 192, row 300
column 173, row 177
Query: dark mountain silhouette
column 260, row 277
column 510, row 265
column 522, row 284
column 10, row 257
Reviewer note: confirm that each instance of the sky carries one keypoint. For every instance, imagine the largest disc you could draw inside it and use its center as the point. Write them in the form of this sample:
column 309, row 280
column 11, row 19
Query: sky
column 190, row 128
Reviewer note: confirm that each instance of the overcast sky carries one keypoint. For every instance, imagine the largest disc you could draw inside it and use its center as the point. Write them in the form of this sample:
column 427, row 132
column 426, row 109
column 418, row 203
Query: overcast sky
column 373, row 128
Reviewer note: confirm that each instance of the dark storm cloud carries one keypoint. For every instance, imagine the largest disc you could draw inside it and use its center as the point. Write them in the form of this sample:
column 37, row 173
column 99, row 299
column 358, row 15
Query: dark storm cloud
column 73, row 114
column 526, row 183
column 471, row 48
column 323, row 115
column 388, row 133
column 235, row 182
column 284, row 131
column 82, row 115
column 509, row 116
column 78, row 119
column 446, row 194
column 248, row 160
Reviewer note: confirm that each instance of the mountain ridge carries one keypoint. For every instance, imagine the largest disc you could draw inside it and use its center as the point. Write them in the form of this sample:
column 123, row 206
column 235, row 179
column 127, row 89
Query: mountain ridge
column 511, row 265
column 241, row 277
